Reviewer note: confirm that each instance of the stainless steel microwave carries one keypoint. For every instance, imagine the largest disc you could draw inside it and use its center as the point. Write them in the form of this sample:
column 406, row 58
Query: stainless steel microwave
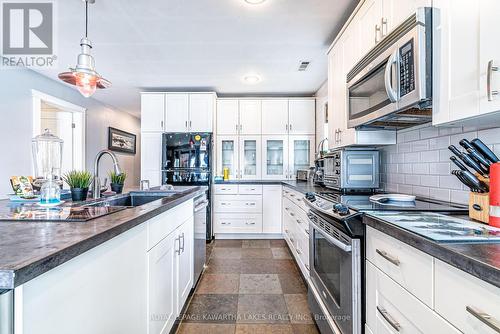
column 391, row 87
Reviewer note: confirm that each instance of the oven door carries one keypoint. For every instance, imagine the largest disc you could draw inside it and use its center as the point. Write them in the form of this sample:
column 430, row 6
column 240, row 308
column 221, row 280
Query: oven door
column 335, row 273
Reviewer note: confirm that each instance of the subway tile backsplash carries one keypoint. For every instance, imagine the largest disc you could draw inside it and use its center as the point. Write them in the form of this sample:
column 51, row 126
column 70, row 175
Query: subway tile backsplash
column 419, row 164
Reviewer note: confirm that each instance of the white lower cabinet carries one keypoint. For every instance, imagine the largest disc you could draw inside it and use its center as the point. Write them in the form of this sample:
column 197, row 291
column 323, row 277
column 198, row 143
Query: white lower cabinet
column 392, row 309
column 247, row 208
column 137, row 282
column 469, row 303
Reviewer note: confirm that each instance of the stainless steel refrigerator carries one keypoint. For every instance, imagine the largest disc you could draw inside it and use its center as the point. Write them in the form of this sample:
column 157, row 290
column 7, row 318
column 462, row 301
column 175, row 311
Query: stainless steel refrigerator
column 187, row 160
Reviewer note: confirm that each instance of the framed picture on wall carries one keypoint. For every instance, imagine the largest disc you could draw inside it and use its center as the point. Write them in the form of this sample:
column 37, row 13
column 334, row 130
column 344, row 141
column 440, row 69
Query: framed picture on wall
column 121, row 141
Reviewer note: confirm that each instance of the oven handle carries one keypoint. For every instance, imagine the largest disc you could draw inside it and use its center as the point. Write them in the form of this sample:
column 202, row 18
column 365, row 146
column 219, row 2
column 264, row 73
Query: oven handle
column 393, row 59
column 345, row 247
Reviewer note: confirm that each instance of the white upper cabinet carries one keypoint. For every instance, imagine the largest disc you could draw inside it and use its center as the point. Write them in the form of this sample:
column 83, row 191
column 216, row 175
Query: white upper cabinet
column 455, row 60
column 275, row 117
column 396, row 11
column 250, row 158
column 201, row 110
column 227, row 117
column 152, row 112
column 302, row 116
column 177, row 113
column 275, row 157
column 489, row 59
column 227, row 155
column 301, row 153
column 250, row 117
column 369, row 20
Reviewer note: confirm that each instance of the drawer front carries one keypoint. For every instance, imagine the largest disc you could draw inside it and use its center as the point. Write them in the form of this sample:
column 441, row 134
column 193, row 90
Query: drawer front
column 406, row 265
column 237, row 223
column 392, row 309
column 162, row 225
column 250, row 189
column 465, row 300
column 225, row 189
column 238, row 204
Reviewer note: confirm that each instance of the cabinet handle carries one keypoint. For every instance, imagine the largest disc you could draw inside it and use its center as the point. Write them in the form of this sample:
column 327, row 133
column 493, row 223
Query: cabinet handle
column 241, row 127
column 377, row 31
column 250, row 204
column 286, row 231
column 388, row 257
column 298, row 251
column 291, row 240
column 292, row 214
column 236, row 127
column 489, row 74
column 178, row 251
column 298, row 221
column 340, row 136
column 286, row 127
column 290, row 127
column 190, row 124
column 183, row 242
column 384, row 27
column 307, row 231
column 484, row 317
column 307, row 267
column 161, row 125
column 250, row 223
column 394, row 324
column 225, row 223
column 186, row 124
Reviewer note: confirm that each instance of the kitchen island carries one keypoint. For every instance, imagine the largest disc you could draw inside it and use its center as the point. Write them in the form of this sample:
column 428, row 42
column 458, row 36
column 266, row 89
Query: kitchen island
column 129, row 272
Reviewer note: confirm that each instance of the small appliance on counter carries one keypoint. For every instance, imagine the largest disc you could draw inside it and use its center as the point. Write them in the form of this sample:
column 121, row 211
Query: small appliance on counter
column 319, row 165
column 305, row 174
column 47, row 159
column 475, row 168
column 352, row 169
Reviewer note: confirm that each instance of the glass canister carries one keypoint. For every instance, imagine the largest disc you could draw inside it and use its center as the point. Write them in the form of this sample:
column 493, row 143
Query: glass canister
column 47, row 160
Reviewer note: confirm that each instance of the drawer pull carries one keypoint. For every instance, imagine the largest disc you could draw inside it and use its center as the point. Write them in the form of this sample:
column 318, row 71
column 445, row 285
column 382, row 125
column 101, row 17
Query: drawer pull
column 292, row 214
column 388, row 257
column 307, row 231
column 307, row 267
column 484, row 317
column 298, row 251
column 225, row 203
column 293, row 195
column 394, row 324
column 249, row 204
column 299, row 221
column 292, row 241
column 225, row 223
column 286, row 231
column 250, row 223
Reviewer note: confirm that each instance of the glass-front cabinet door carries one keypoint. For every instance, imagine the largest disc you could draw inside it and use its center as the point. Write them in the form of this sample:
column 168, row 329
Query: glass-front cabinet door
column 275, row 157
column 227, row 155
column 250, row 158
column 301, row 154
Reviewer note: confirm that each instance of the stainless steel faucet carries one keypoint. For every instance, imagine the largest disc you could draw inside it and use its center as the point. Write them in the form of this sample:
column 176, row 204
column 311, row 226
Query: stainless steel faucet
column 96, row 192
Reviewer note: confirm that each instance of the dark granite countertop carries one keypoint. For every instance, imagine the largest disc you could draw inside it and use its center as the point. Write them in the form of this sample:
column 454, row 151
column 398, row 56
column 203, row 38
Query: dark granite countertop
column 301, row 186
column 481, row 260
column 29, row 249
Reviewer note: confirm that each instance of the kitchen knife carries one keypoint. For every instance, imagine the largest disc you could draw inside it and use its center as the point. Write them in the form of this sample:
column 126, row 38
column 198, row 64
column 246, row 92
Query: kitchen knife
column 480, row 185
column 466, row 182
column 484, row 150
column 483, row 162
column 475, row 155
column 458, row 163
column 467, row 160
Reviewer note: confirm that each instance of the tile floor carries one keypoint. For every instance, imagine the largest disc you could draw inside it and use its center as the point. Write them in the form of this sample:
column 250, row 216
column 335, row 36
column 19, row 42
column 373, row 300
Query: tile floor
column 249, row 286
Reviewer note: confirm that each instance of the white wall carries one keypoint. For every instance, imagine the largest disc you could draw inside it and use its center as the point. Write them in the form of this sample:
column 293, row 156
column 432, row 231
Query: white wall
column 321, row 99
column 16, row 125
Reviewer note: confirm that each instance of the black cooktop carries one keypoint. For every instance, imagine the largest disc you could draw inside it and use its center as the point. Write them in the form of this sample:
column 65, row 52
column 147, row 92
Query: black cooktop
column 361, row 202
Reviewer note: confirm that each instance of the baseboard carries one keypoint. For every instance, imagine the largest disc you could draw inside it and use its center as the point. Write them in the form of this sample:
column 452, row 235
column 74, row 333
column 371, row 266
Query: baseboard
column 249, row 236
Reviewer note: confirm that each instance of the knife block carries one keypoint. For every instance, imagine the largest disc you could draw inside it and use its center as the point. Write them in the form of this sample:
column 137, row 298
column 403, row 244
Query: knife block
column 479, row 204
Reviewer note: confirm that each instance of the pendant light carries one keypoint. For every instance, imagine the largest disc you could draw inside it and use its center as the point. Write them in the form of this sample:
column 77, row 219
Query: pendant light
column 84, row 75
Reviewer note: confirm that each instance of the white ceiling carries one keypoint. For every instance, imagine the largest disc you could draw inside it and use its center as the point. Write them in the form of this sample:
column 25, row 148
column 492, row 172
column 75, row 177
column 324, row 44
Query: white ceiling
column 202, row 45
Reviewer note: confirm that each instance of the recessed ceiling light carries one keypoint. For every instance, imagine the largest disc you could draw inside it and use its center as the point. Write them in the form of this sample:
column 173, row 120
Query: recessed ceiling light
column 251, row 78
column 255, row 2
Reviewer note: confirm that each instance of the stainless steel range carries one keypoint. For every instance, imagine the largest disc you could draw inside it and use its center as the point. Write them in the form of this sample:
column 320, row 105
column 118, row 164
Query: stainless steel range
column 336, row 248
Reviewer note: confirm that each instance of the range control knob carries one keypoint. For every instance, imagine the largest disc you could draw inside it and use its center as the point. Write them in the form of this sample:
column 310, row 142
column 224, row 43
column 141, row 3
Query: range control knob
column 341, row 209
column 310, row 197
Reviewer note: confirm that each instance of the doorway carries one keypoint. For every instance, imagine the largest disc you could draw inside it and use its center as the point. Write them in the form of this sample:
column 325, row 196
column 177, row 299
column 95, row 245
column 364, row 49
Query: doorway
column 66, row 121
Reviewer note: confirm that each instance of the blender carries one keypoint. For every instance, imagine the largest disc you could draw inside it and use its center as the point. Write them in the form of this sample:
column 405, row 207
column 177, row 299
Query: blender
column 47, row 160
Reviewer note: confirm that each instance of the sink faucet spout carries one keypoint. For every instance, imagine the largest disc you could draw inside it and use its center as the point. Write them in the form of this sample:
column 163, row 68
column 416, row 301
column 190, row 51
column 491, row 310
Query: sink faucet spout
column 96, row 188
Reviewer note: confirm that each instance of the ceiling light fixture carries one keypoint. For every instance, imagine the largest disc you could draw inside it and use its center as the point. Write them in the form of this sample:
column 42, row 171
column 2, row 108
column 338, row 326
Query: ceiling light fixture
column 252, row 79
column 84, row 75
column 255, row 2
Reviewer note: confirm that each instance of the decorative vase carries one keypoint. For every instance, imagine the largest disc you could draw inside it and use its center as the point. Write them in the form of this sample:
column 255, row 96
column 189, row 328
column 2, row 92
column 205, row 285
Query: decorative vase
column 79, row 194
column 117, row 188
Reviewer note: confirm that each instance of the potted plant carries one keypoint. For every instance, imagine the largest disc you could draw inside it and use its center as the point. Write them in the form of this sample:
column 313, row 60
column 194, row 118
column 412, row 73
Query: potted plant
column 79, row 182
column 117, row 181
